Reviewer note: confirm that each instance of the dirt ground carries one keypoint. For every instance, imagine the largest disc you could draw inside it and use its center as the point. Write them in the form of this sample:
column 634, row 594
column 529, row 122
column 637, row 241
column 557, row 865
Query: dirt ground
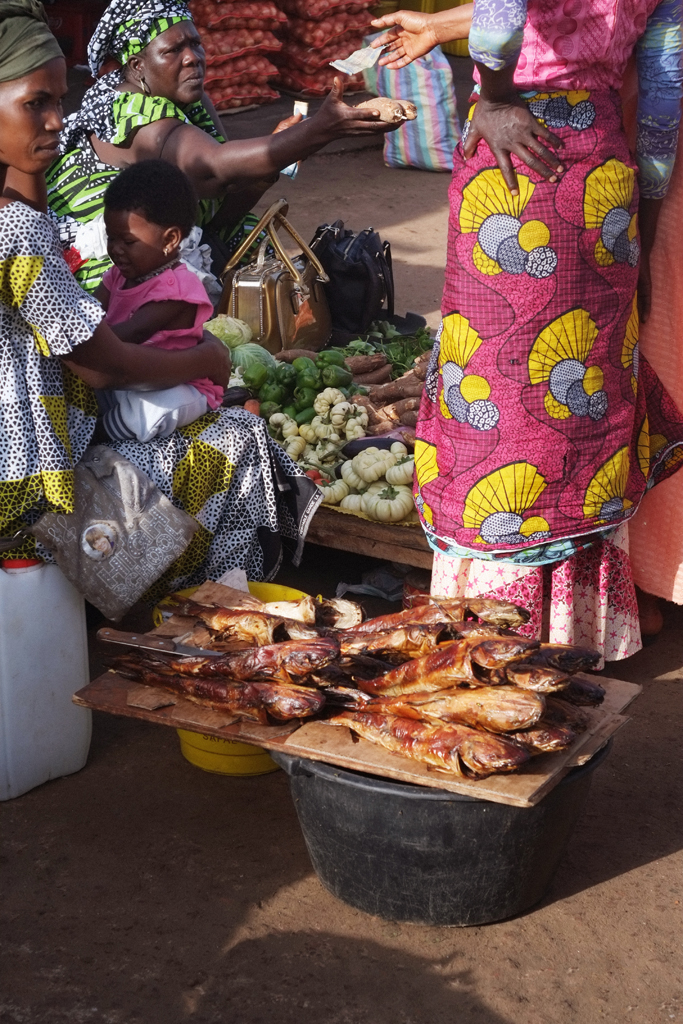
column 145, row 891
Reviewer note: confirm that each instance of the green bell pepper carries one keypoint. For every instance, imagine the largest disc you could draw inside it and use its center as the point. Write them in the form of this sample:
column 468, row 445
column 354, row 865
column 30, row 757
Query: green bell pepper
column 304, row 398
column 305, row 416
column 336, row 377
column 272, row 393
column 304, row 363
column 330, row 357
column 255, row 376
column 308, row 379
column 290, row 410
column 285, row 375
column 268, row 409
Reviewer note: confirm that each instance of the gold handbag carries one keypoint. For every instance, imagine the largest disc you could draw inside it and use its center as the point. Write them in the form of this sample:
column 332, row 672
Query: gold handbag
column 281, row 297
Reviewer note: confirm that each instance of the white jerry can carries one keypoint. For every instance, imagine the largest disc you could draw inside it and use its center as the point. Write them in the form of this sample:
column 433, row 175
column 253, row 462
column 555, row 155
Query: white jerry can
column 43, row 661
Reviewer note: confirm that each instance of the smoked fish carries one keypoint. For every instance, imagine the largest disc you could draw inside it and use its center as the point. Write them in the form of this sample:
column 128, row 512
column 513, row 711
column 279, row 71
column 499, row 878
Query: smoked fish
column 450, row 609
column 448, row 665
column 457, row 749
column 497, row 709
column 250, row 700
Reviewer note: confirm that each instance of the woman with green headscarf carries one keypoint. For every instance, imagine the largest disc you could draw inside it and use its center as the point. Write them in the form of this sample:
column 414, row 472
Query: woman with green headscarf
column 154, row 106
column 54, row 346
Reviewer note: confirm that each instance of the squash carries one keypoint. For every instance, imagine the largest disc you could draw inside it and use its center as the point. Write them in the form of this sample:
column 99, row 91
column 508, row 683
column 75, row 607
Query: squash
column 326, row 399
column 402, row 472
column 390, row 505
column 351, row 477
column 295, row 446
column 334, row 492
column 352, row 502
column 372, row 464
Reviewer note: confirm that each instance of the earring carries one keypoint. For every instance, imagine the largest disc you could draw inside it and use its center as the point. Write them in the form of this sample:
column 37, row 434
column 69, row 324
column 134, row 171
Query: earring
column 168, row 250
column 145, row 88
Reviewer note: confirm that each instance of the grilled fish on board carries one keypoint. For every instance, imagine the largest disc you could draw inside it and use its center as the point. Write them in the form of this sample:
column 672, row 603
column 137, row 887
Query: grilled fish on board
column 497, row 709
column 454, row 609
column 291, row 660
column 445, row 667
column 255, row 627
column 250, row 700
column 583, row 692
column 407, row 641
column 455, row 748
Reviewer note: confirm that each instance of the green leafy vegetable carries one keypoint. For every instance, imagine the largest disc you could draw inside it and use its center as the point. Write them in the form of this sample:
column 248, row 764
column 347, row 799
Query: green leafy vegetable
column 232, row 332
column 245, row 356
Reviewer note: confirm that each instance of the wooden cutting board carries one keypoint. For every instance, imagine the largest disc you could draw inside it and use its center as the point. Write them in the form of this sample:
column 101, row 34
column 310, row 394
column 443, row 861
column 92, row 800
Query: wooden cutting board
column 317, row 741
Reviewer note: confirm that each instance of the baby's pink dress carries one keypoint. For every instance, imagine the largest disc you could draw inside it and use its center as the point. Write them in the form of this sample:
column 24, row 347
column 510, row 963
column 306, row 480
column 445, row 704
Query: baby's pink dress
column 176, row 283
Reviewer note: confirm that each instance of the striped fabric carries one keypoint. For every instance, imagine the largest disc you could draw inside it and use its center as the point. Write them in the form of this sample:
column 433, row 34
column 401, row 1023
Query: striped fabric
column 429, row 141
column 77, row 180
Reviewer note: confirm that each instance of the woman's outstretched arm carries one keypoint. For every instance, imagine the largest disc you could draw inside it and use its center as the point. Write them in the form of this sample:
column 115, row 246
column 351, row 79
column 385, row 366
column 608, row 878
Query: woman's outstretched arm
column 412, row 34
column 212, row 166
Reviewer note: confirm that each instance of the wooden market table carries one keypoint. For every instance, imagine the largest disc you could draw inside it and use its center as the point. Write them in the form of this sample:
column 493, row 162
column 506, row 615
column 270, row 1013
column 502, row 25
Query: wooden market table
column 347, row 532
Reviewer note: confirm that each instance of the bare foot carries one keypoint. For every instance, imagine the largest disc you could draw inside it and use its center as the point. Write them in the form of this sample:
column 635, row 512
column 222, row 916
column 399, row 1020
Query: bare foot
column 649, row 613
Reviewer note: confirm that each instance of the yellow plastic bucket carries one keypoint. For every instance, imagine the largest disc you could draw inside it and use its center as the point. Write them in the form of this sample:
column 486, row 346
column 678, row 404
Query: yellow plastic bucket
column 227, row 757
column 224, row 757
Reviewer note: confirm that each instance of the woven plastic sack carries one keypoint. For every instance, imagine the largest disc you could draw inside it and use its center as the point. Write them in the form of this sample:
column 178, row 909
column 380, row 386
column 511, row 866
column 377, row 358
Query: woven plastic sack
column 429, row 141
column 319, row 33
column 252, row 69
column 221, row 46
column 309, row 60
column 319, row 83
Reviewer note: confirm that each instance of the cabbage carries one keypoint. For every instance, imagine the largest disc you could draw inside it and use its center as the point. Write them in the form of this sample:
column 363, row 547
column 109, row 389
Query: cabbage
column 231, row 332
column 245, row 356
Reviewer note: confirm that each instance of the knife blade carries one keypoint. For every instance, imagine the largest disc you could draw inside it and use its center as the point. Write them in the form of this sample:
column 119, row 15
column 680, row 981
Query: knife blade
column 145, row 642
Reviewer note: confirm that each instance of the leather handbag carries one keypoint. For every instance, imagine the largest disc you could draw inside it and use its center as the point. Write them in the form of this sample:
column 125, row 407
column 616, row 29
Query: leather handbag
column 361, row 280
column 281, row 297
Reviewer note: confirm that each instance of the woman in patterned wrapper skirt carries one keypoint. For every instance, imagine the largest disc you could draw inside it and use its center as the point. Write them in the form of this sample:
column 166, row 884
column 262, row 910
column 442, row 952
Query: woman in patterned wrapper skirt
column 541, row 427
column 223, row 469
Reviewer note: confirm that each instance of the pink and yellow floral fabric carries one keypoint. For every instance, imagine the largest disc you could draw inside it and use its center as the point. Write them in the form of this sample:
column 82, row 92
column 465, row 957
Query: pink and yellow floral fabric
column 539, row 421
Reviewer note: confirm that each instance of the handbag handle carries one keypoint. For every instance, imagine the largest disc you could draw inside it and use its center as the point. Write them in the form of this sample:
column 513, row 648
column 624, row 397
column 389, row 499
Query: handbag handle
column 275, row 216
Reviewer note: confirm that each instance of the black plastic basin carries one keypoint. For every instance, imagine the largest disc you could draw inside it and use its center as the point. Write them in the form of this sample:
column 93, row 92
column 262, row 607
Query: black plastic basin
column 409, row 853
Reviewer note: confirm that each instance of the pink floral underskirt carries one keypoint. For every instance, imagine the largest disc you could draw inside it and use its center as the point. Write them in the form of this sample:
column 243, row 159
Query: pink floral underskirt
column 588, row 599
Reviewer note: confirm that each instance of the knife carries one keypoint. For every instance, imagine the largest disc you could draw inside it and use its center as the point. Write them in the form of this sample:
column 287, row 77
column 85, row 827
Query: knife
column 145, row 642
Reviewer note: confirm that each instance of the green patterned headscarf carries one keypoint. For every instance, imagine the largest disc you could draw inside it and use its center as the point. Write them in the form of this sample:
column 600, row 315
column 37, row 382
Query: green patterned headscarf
column 127, row 27
column 26, row 42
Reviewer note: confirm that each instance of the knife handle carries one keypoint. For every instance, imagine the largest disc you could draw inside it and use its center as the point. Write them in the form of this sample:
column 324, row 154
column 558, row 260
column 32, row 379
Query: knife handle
column 144, row 640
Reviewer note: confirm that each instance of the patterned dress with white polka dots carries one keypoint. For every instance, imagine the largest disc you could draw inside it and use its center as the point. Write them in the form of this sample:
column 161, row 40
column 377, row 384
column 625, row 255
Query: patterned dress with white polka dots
column 47, row 415
column 223, row 469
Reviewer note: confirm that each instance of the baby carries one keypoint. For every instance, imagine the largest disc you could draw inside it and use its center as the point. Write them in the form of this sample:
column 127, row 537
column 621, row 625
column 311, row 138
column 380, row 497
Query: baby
column 151, row 298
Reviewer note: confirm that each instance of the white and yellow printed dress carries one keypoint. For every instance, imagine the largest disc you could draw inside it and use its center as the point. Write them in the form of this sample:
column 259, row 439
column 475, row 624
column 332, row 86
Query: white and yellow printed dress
column 47, row 415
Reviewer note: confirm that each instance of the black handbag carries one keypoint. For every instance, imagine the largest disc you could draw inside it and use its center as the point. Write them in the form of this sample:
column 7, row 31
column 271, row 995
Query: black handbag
column 361, row 285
